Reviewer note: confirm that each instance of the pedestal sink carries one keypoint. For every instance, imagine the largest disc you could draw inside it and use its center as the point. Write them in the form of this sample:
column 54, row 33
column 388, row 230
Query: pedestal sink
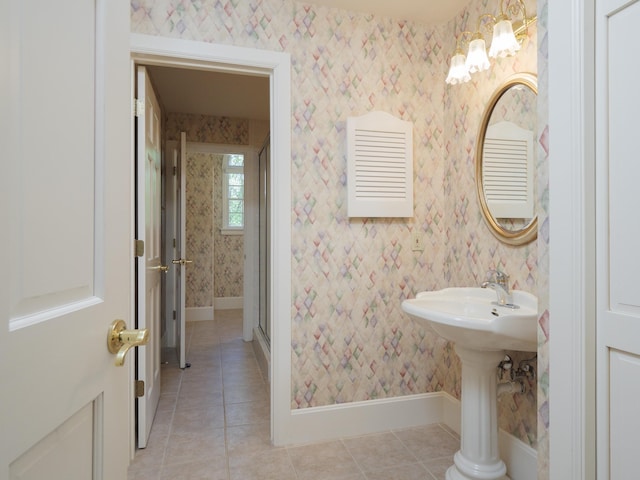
column 481, row 331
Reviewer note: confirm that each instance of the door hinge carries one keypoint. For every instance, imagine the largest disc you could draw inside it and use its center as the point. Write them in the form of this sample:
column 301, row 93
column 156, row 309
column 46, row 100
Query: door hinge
column 175, row 315
column 138, row 107
column 175, row 170
column 138, row 248
column 174, row 243
column 139, row 388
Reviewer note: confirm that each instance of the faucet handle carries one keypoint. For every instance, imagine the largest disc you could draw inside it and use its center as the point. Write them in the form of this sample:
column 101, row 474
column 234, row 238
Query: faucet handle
column 498, row 277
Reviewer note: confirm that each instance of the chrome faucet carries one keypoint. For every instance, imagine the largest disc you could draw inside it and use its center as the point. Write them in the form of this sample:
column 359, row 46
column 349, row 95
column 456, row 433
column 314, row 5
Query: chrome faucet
column 499, row 281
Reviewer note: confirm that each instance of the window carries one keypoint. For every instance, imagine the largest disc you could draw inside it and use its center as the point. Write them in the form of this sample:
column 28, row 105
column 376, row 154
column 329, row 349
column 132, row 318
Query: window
column 233, row 194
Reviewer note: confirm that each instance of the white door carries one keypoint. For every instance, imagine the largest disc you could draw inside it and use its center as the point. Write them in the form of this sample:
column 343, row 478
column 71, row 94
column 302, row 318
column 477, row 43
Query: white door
column 618, row 231
column 149, row 267
column 66, row 242
column 180, row 260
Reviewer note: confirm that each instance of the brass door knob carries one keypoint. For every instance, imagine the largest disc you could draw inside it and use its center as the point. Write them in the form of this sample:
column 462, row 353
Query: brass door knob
column 162, row 268
column 120, row 340
column 181, row 261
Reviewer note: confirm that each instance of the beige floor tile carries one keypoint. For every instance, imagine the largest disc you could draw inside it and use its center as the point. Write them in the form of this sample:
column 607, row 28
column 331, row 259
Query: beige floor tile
column 213, row 424
column 413, row 471
column 324, row 461
column 201, row 420
column 246, row 393
column 246, row 413
column 240, row 357
column 189, row 401
column 148, row 459
column 189, row 447
column 161, row 425
column 235, row 346
column 152, row 473
column 203, row 367
column 170, row 380
column 253, row 438
column 204, row 352
column 429, row 442
column 167, row 403
column 438, row 466
column 269, row 464
column 211, row 469
column 374, row 452
column 248, row 376
column 158, row 436
column 201, row 383
column 204, row 340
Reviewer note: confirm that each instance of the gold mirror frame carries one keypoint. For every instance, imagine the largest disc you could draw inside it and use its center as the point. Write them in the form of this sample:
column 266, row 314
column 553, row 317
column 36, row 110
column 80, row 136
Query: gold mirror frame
column 530, row 231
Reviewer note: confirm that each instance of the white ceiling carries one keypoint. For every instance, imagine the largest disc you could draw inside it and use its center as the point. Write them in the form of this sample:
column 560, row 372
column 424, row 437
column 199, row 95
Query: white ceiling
column 211, row 93
column 244, row 96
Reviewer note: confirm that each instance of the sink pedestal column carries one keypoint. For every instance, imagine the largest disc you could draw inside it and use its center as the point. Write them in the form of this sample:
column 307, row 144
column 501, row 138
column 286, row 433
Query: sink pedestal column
column 478, row 457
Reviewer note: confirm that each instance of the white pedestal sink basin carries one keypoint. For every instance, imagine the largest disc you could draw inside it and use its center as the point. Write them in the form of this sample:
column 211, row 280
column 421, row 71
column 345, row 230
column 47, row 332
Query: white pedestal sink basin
column 481, row 331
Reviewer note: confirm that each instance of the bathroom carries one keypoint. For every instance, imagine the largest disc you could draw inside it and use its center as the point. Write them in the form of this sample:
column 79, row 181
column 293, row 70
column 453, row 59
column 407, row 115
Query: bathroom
column 340, row 282
column 351, row 341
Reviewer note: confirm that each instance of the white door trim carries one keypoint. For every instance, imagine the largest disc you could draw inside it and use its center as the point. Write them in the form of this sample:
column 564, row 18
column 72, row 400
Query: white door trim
column 154, row 50
column 572, row 241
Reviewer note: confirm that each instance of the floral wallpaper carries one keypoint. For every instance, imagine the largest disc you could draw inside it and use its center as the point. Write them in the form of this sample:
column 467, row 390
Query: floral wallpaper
column 350, row 338
column 228, row 250
column 543, row 244
column 472, row 249
column 207, row 129
column 199, row 230
column 220, row 274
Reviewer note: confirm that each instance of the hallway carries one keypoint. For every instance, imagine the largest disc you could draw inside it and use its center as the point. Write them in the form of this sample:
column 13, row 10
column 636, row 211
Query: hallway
column 212, row 423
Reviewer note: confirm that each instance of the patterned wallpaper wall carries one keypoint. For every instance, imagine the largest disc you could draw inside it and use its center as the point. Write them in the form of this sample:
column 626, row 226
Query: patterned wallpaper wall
column 472, row 249
column 228, row 249
column 543, row 243
column 207, row 129
column 350, row 338
column 220, row 275
column 199, row 226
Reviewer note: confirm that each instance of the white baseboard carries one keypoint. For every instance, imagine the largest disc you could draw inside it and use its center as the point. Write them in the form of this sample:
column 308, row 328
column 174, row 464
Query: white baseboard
column 227, row 303
column 317, row 424
column 198, row 314
column 520, row 458
column 263, row 355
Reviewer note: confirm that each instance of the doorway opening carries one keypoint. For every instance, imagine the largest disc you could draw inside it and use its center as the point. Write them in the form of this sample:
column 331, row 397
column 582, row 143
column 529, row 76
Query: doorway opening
column 188, row 55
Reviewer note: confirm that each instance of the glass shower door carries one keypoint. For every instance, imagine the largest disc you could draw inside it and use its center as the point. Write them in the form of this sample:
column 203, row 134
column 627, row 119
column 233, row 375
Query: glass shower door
column 264, row 159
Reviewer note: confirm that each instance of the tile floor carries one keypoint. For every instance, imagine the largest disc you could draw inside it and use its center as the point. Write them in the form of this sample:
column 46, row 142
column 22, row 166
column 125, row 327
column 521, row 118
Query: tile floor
column 212, row 423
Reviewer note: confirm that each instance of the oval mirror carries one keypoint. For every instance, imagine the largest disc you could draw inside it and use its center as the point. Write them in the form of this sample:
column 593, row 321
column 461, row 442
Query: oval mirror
column 506, row 153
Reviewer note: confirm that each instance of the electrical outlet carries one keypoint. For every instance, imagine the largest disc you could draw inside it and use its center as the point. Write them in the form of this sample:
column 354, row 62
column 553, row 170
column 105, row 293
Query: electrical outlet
column 417, row 242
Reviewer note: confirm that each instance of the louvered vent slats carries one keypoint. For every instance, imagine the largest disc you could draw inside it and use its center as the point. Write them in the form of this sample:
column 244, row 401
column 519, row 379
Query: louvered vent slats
column 380, row 166
column 507, row 171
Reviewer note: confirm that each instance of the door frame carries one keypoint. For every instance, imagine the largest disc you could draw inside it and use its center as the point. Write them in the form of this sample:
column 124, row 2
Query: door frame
column 250, row 227
column 572, row 348
column 177, row 53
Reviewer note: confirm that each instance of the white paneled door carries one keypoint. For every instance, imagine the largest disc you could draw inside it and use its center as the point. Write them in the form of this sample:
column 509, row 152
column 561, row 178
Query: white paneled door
column 175, row 254
column 149, row 266
column 618, row 234
column 65, row 216
column 180, row 260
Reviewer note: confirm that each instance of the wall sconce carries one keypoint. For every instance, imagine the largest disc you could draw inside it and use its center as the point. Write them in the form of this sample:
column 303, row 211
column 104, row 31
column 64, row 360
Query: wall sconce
column 505, row 42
